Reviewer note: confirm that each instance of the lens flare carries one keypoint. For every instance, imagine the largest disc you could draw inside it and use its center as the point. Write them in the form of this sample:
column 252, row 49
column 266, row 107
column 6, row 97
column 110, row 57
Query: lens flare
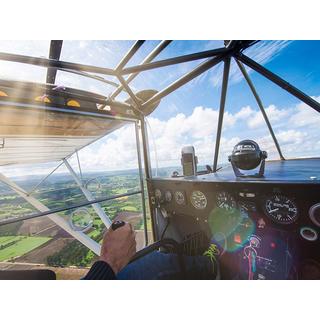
column 230, row 230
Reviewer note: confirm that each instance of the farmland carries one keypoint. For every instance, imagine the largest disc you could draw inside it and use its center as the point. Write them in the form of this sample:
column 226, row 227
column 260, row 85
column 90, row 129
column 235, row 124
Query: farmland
column 15, row 246
column 39, row 240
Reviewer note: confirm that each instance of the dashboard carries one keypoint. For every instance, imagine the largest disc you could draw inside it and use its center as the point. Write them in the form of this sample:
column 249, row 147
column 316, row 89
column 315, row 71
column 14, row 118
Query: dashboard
column 282, row 206
column 279, row 221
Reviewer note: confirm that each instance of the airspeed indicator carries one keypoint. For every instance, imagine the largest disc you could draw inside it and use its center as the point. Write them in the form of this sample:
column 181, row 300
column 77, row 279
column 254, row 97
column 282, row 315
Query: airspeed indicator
column 281, row 209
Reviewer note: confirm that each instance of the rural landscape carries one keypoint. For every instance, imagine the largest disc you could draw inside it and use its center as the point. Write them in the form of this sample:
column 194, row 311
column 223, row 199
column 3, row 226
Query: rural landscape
column 39, row 242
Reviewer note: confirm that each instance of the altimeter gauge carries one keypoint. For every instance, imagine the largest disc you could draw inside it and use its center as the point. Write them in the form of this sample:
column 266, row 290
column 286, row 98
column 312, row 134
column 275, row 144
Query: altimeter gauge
column 226, row 201
column 281, row 209
column 198, row 200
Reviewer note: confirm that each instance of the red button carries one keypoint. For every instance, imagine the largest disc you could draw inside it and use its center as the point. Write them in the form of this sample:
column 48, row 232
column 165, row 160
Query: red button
column 237, row 238
column 272, row 245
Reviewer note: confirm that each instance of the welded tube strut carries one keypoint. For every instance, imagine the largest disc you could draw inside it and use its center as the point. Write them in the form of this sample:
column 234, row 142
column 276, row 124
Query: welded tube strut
column 143, row 198
column 279, row 81
column 224, row 88
column 259, row 102
column 176, row 60
column 136, row 46
column 184, row 79
column 161, row 46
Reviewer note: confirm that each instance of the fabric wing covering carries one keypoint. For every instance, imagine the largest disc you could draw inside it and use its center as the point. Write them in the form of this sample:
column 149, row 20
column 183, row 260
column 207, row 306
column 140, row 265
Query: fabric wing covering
column 35, row 136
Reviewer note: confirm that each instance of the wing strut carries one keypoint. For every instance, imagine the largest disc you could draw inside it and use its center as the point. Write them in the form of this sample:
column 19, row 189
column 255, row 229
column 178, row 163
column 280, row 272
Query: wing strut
column 82, row 237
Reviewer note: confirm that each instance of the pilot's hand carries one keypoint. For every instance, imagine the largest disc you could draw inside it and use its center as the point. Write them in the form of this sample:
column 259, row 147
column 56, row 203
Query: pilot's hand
column 118, row 247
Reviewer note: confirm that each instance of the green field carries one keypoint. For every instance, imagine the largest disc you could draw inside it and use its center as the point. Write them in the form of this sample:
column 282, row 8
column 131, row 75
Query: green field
column 19, row 246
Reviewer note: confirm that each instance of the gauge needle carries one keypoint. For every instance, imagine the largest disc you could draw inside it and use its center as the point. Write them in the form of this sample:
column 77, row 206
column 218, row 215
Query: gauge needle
column 273, row 210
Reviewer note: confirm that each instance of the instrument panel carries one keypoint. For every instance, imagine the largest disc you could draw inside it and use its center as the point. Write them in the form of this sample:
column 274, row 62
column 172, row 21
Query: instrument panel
column 279, row 206
column 276, row 214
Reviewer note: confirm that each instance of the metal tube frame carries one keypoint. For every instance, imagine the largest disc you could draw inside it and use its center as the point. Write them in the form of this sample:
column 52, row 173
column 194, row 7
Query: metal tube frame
column 208, row 64
column 278, row 81
column 143, row 197
column 136, row 46
column 224, row 89
column 175, row 60
column 138, row 106
column 219, row 55
column 51, row 63
column 259, row 102
column 162, row 45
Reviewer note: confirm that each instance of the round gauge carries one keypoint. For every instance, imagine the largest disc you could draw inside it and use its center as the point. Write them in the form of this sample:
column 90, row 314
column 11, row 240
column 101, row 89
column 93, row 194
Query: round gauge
column 198, row 200
column 246, row 206
column 179, row 197
column 157, row 193
column 226, row 201
column 281, row 209
column 314, row 214
column 168, row 196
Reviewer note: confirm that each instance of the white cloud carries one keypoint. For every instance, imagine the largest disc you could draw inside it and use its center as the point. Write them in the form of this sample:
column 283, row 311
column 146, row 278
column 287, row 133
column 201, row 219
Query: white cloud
column 255, row 119
column 199, row 129
column 244, row 113
column 305, row 116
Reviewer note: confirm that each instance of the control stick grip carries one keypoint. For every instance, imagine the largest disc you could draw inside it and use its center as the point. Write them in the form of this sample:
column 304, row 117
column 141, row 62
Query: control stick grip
column 117, row 224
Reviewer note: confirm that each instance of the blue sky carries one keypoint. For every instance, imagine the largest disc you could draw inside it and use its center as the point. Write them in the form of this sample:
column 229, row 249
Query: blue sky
column 189, row 115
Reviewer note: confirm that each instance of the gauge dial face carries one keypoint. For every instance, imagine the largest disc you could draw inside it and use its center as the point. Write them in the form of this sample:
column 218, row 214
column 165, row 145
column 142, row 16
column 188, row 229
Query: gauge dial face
column 157, row 193
column 198, row 200
column 281, row 209
column 246, row 206
column 179, row 197
column 168, row 196
column 226, row 201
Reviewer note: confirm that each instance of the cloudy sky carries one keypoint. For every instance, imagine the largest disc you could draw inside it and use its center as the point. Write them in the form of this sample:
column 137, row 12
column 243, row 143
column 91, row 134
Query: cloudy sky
column 189, row 115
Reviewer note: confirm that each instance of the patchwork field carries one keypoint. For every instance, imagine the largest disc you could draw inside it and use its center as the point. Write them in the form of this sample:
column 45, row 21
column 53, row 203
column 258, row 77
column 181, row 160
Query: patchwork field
column 16, row 246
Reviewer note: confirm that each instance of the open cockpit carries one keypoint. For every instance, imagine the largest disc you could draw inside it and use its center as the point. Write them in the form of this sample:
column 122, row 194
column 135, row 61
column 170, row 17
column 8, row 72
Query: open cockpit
column 254, row 217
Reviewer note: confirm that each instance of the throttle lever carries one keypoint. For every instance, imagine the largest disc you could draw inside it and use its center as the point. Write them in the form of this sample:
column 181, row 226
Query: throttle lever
column 117, row 224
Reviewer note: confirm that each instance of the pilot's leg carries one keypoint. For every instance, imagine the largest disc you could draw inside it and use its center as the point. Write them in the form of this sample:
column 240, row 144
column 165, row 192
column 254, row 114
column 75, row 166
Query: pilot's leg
column 157, row 265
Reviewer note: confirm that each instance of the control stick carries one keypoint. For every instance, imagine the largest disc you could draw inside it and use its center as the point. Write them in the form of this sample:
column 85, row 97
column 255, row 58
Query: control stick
column 117, row 224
